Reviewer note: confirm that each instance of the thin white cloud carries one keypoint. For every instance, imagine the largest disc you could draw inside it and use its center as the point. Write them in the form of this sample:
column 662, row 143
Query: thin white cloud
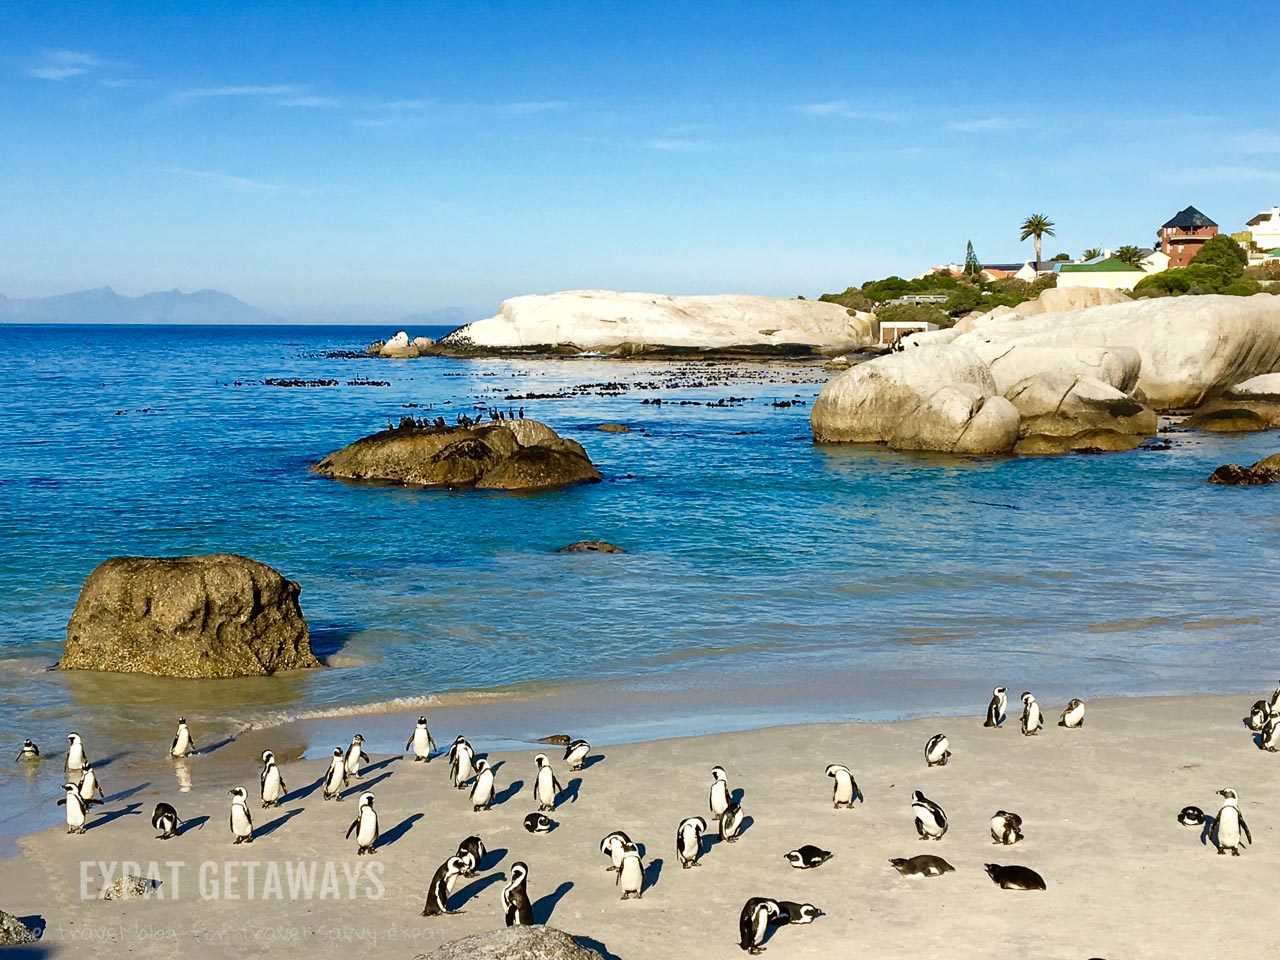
column 64, row 64
column 227, row 180
column 282, row 90
column 986, row 125
column 310, row 101
column 533, row 106
column 1222, row 174
column 844, row 110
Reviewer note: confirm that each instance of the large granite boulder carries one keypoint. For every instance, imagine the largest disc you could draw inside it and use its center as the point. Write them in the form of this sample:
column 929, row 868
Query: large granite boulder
column 13, row 931
column 1265, row 471
column 500, row 455
column 219, row 615
column 631, row 324
column 400, row 347
column 1060, row 412
column 517, row 943
column 1118, row 367
column 1253, row 404
column 930, row 398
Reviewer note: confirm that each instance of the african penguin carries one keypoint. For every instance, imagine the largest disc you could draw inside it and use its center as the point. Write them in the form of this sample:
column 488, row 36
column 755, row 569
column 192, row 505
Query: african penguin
column 612, row 845
column 719, row 800
column 422, row 742
column 1191, row 817
column 1032, row 718
column 515, row 897
column 241, row 822
column 689, row 841
column 364, row 826
column 166, row 820
column 845, row 789
column 546, row 788
column 539, row 823
column 796, row 913
column 937, row 751
column 272, row 782
column 29, row 751
column 75, row 760
column 731, row 823
column 1006, row 828
column 753, row 923
column 182, row 742
column 931, row 822
column 924, row 865
column 335, row 778
column 1073, row 716
column 630, row 877
column 77, row 807
column 1275, row 700
column 471, row 852
column 1259, row 714
column 1014, row 878
column 356, row 756
column 482, row 791
column 438, row 891
column 89, row 784
column 1231, row 832
column 1269, row 738
column 461, row 760
column 998, row 707
column 807, row 857
column 575, row 754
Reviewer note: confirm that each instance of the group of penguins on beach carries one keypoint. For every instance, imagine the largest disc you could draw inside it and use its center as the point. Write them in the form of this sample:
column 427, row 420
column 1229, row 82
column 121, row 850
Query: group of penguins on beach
column 759, row 914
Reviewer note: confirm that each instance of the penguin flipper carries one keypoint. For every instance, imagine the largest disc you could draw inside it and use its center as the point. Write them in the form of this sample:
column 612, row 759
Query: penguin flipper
column 431, row 744
column 364, row 756
column 351, row 829
column 62, row 802
column 1244, row 828
column 408, row 743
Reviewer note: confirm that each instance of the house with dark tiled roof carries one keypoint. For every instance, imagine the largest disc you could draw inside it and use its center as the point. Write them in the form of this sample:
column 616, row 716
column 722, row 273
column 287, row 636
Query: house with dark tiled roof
column 1185, row 234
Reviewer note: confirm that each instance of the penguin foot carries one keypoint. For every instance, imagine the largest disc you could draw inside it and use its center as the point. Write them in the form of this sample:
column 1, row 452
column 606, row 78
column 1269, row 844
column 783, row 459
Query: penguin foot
column 1221, row 851
column 1235, row 853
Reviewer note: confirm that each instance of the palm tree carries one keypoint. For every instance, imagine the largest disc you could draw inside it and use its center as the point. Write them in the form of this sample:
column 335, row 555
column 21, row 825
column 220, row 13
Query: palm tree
column 1037, row 226
column 1129, row 254
column 1091, row 254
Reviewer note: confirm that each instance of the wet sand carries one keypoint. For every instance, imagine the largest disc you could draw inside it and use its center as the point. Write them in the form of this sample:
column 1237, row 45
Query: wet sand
column 1099, row 807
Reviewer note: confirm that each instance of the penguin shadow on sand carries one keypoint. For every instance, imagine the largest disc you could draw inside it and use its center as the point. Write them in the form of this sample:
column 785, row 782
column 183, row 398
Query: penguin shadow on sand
column 652, row 872
column 510, row 791
column 398, row 831
column 593, row 944
column 303, row 792
column 132, row 810
column 570, row 793
column 109, row 760
column 382, row 765
column 591, row 761
column 126, row 794
column 1208, row 832
column 473, row 890
column 737, row 796
column 362, row 785
column 195, row 823
column 268, row 829
column 546, row 905
column 210, row 748
column 492, row 858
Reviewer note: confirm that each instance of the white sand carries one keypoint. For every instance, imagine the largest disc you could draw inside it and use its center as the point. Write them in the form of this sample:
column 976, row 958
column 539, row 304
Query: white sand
column 1099, row 807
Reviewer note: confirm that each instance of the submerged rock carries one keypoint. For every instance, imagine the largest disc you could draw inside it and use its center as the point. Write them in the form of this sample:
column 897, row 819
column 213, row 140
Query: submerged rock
column 1060, row 413
column 218, row 615
column 591, row 546
column 613, row 428
column 500, row 455
column 1266, row 470
column 517, row 943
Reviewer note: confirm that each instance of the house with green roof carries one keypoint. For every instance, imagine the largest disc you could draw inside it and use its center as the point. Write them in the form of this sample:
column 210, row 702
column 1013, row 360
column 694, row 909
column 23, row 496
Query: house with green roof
column 1108, row 273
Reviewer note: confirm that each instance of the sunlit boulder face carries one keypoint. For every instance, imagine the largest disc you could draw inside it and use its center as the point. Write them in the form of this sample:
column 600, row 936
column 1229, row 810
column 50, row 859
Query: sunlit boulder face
column 1060, row 413
column 1253, row 404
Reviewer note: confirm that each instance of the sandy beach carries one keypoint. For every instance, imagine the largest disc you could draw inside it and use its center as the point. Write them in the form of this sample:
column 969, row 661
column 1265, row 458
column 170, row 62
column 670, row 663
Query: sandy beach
column 1099, row 806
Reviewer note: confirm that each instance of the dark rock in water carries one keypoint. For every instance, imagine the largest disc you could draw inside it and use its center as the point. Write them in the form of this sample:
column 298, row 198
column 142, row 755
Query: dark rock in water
column 613, row 428
column 591, row 546
column 498, row 455
column 1263, row 472
column 517, row 943
column 557, row 740
column 13, row 930
column 218, row 615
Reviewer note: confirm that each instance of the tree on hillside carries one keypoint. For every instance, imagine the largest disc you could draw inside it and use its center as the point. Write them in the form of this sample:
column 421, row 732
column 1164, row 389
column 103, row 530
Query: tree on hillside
column 1093, row 253
column 1129, row 254
column 972, row 266
column 1060, row 258
column 1037, row 226
column 1221, row 251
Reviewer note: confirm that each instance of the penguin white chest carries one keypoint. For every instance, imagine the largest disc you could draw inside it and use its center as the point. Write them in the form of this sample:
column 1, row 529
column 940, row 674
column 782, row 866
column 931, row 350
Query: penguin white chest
column 631, row 875
column 367, row 832
column 241, row 825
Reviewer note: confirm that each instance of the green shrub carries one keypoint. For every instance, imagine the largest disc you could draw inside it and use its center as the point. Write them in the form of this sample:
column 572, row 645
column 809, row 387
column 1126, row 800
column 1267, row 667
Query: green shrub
column 1221, row 251
column 914, row 313
column 1197, row 279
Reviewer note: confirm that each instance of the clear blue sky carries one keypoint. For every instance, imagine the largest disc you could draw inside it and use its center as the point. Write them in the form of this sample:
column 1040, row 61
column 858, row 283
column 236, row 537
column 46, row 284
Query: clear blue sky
column 381, row 158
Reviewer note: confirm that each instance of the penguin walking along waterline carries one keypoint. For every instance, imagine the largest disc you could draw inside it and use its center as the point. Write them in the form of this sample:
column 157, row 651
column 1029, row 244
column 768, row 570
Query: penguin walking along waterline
column 273, row 786
column 75, row 759
column 515, row 898
column 482, row 791
column 182, row 742
column 998, row 708
column 689, row 841
column 630, row 877
column 612, row 845
column 461, row 762
column 335, row 778
column 29, row 751
column 89, row 784
column 422, row 742
column 364, row 826
column 1073, row 716
column 845, row 790
column 471, row 852
column 241, row 822
column 446, row 875
column 1231, row 832
column 575, row 754
column 1006, row 828
column 753, row 923
column 731, row 823
column 937, row 751
column 166, row 820
column 546, row 788
column 355, row 757
column 77, row 807
column 1032, row 718
column 931, row 822
column 719, row 799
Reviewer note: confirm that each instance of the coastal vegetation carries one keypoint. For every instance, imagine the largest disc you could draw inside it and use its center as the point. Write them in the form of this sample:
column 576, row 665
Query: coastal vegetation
column 964, row 293
column 1218, row 268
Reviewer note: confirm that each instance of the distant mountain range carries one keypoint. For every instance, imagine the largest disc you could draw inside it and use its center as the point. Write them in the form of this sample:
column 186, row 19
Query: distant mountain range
column 107, row 306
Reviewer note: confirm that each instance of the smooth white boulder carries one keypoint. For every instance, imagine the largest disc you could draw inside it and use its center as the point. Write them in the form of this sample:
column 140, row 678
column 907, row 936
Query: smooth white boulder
column 600, row 320
column 1266, row 385
column 927, row 337
column 1062, row 412
column 1010, row 363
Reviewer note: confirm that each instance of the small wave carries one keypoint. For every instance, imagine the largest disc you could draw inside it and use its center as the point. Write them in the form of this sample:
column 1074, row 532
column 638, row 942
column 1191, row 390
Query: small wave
column 24, row 666
column 394, row 705
column 1147, row 623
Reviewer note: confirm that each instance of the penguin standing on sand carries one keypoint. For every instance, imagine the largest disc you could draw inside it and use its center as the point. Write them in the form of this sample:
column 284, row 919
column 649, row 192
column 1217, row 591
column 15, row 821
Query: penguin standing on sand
column 364, row 826
column 731, row 823
column 335, row 778
column 241, row 822
column 77, row 807
column 546, row 788
column 182, row 742
column 355, row 757
column 422, row 742
column 630, row 878
column 1006, row 828
column 446, row 875
column 482, row 792
column 753, row 923
column 273, row 786
column 937, row 751
column 166, row 820
column 29, row 751
column 931, row 822
column 89, row 784
column 1231, row 831
column 461, row 760
column 75, row 760
column 845, row 790
column 515, row 898
column 998, row 708
column 612, row 845
column 719, row 799
column 471, row 852
column 1269, row 737
column 1073, row 716
column 689, row 841
column 1032, row 718
column 1259, row 714
column 575, row 754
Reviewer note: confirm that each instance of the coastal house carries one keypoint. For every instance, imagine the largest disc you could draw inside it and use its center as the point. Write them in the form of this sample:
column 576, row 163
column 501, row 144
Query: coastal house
column 891, row 331
column 1264, row 230
column 1183, row 236
column 1025, row 270
column 1108, row 274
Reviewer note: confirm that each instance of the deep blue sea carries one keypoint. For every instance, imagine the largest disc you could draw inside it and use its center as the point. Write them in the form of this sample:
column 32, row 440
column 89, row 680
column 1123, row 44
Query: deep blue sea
column 765, row 578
